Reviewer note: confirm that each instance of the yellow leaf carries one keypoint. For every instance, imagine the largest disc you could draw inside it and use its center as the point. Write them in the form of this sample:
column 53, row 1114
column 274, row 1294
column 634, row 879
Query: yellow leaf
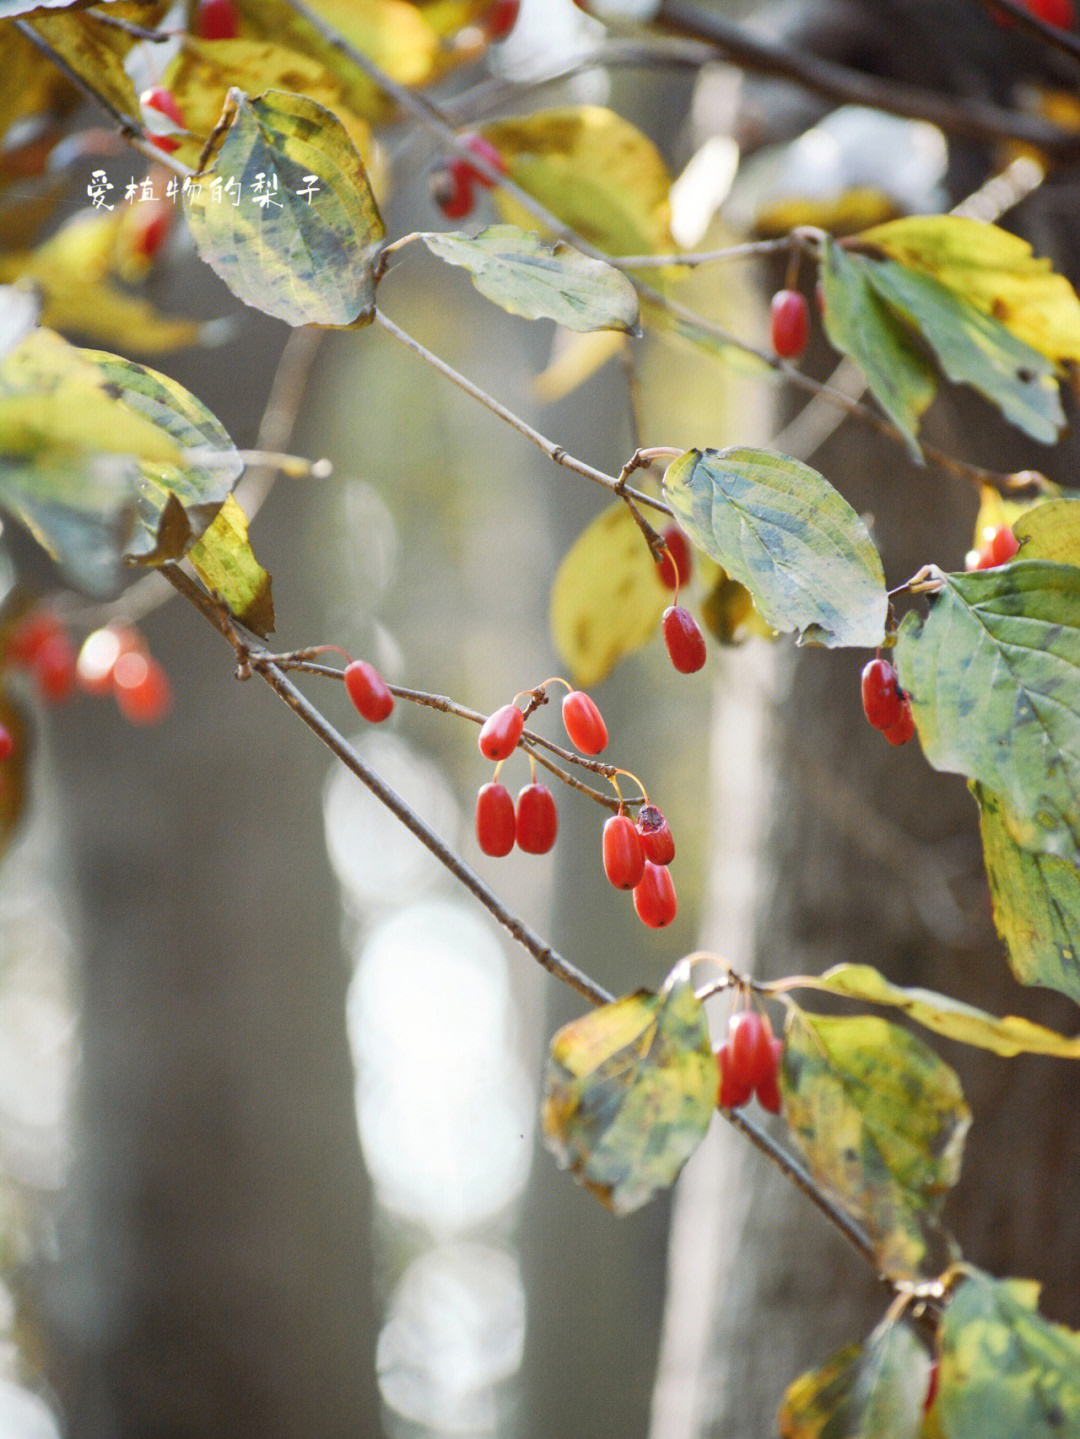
column 575, row 359
column 997, row 272
column 224, row 560
column 594, row 170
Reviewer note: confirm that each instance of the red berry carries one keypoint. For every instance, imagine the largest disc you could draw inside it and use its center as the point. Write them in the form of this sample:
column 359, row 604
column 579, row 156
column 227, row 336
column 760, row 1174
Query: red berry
column 501, row 17
column 99, row 654
column 486, row 151
column 150, row 227
column 931, row 1385
column 450, row 186
column 684, row 640
column 7, row 743
column 500, row 732
column 654, row 896
column 1061, row 13
column 217, row 20
column 163, row 102
column 30, row 634
column 904, row 728
column 53, row 667
column 584, row 723
column 536, row 822
column 882, row 698
column 142, row 688
column 734, row 1092
column 1003, row 545
column 677, row 562
column 624, row 861
column 655, row 834
column 495, row 825
column 789, row 323
column 768, row 1092
column 750, row 1037
column 368, row 691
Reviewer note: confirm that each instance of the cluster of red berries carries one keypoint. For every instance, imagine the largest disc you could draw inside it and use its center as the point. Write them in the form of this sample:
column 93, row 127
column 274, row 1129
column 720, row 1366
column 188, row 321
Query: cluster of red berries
column 998, row 548
column 451, row 182
column 636, row 857
column 885, row 704
column 682, row 635
column 113, row 660
column 749, row 1062
column 789, row 323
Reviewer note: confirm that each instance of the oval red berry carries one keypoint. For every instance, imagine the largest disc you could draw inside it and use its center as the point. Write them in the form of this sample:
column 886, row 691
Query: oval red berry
column 1003, row 546
column 733, row 1091
column 142, row 689
column 536, row 820
column 217, row 20
column 750, row 1038
column 495, row 822
column 624, row 861
column 501, row 18
column 904, row 728
column 657, row 841
column 677, row 564
column 584, row 723
column 368, row 691
column 484, row 150
column 53, row 667
column 789, row 323
column 7, row 743
column 882, row 699
column 684, row 640
column 451, row 189
column 654, row 896
column 500, row 732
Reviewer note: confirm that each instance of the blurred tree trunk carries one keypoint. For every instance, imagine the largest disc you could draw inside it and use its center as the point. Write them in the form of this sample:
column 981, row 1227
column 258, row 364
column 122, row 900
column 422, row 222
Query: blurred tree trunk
column 834, row 847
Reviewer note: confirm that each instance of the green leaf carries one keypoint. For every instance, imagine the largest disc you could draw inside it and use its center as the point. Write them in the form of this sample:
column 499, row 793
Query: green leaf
column 870, row 1391
column 80, row 507
column 1005, row 1371
column 781, row 529
column 994, row 270
column 881, row 1121
column 306, row 258
column 1050, row 531
column 225, row 562
column 176, row 502
column 541, row 279
column 594, row 170
column 860, row 325
column 1036, row 901
column 629, row 1092
column 974, row 349
column 950, row 1017
column 607, row 597
column 993, row 673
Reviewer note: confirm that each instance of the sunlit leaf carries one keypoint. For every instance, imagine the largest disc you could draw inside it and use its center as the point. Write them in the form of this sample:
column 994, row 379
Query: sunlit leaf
column 974, row 349
column 881, row 1122
column 1036, row 900
column 993, row 269
column 993, row 673
column 225, row 562
column 781, row 529
column 1005, row 1371
column 594, row 170
column 95, row 52
column 541, row 279
column 307, row 258
column 860, row 325
column 870, row 1391
column 176, row 502
column 607, row 597
column 629, row 1092
column 952, row 1018
column 1050, row 531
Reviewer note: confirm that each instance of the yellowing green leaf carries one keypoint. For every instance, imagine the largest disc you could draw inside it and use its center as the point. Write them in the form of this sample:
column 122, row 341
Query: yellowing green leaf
column 993, row 673
column 1036, row 900
column 629, row 1092
column 307, row 258
column 780, row 528
column 1008, row 1036
column 859, row 324
column 730, row 615
column 881, row 1122
column 996, row 271
column 541, row 279
column 870, row 1391
column 95, row 52
column 1050, row 531
column 225, row 562
column 607, row 597
column 593, row 169
column 1005, row 1371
